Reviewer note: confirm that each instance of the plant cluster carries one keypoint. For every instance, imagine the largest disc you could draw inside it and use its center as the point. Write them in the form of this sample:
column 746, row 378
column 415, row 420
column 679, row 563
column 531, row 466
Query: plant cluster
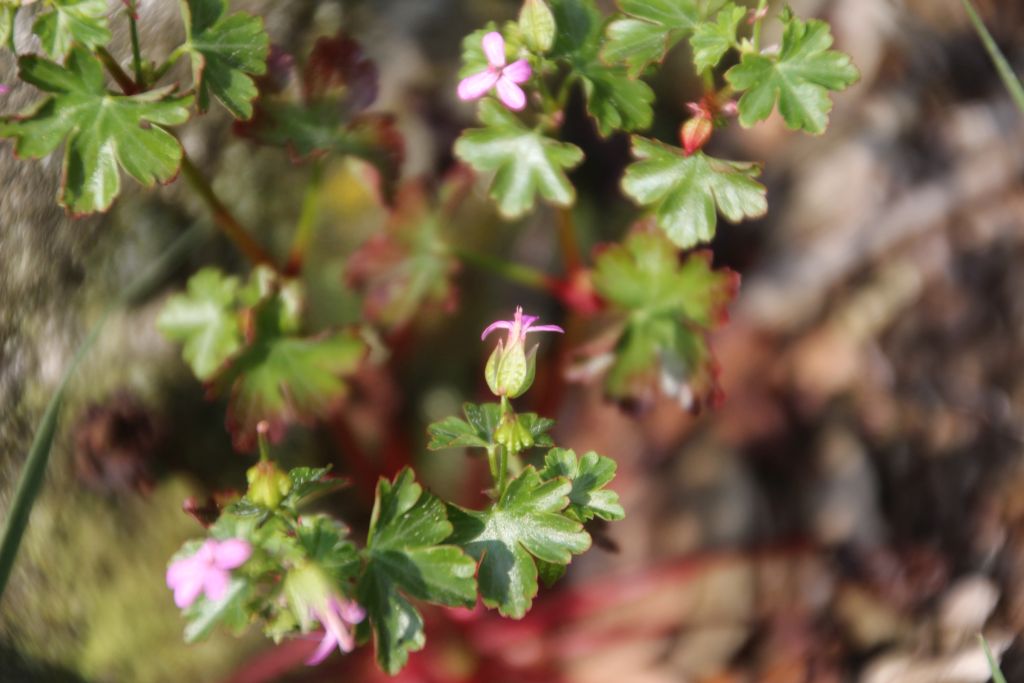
column 265, row 561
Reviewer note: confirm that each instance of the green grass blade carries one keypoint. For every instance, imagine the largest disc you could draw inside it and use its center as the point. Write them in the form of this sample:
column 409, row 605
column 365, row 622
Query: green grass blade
column 1010, row 79
column 39, row 454
column 997, row 674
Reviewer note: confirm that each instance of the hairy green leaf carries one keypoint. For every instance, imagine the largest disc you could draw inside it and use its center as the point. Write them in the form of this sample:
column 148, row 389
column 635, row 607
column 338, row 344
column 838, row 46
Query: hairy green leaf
column 669, row 309
column 589, row 476
column 283, row 378
column 69, row 22
column 525, row 523
column 405, row 557
column 526, row 163
column 799, row 78
column 712, row 39
column 649, row 30
column 226, row 51
column 205, row 320
column 478, row 429
column 102, row 131
column 686, row 193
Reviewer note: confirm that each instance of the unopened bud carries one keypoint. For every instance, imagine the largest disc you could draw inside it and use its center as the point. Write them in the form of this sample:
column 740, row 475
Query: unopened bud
column 268, row 485
column 695, row 133
column 512, row 434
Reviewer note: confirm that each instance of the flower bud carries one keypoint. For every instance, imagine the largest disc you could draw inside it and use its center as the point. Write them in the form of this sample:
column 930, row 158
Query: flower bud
column 695, row 133
column 537, row 24
column 510, row 369
column 512, row 434
column 268, row 485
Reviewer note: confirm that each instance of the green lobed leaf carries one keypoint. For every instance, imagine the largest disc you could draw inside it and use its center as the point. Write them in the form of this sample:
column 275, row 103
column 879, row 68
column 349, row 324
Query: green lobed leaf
column 478, row 429
column 69, row 22
column 308, row 482
column 589, row 476
column 103, row 131
column 325, row 542
column 525, row 523
column 649, row 30
column 526, row 163
column 799, row 78
column 205, row 320
column 283, row 378
column 230, row 612
column 686, row 193
column 617, row 102
column 405, row 557
column 712, row 39
column 669, row 310
column 226, row 51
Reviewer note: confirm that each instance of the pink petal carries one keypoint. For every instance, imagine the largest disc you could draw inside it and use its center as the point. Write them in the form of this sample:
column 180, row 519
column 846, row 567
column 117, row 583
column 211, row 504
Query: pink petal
column 180, row 571
column 511, row 94
column 476, row 86
column 547, row 328
column 518, row 71
column 185, row 593
column 352, row 612
column 215, row 584
column 326, row 645
column 231, row 553
column 499, row 325
column 494, row 48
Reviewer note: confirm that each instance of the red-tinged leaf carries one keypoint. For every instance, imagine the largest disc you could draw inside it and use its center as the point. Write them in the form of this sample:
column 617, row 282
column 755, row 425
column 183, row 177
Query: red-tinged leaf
column 668, row 310
column 407, row 268
column 338, row 69
column 338, row 83
column 281, row 378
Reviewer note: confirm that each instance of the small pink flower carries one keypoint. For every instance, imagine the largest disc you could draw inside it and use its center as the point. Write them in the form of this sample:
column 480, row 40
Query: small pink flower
column 338, row 617
column 519, row 327
column 4, row 89
column 504, row 79
column 208, row 571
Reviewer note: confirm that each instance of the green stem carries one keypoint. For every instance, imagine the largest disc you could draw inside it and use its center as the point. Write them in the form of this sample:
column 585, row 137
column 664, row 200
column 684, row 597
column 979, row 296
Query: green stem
column 168, row 63
column 124, row 81
column 492, row 462
column 514, row 272
column 756, row 39
column 1009, row 78
column 32, row 476
column 224, row 219
column 502, row 480
column 140, row 77
column 307, row 220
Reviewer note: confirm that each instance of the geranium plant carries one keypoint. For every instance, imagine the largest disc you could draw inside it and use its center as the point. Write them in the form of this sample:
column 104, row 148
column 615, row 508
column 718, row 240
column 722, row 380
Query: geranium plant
column 265, row 559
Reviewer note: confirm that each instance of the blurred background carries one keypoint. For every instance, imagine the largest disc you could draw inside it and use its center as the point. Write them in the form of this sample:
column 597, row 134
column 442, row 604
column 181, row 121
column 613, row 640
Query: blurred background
column 853, row 512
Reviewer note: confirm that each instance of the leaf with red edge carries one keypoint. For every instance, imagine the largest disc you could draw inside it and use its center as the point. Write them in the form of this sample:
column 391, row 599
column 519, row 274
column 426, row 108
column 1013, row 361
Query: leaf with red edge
column 282, row 378
column 337, row 83
column 407, row 268
column 338, row 69
column 669, row 309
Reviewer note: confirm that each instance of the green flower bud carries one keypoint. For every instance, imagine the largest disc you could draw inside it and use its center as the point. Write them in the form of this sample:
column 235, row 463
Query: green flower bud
column 268, row 485
column 537, row 24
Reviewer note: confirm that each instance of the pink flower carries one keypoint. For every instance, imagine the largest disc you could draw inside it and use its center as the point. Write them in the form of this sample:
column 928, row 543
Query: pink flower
column 519, row 327
column 337, row 617
column 504, row 79
column 4, row 89
column 207, row 571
